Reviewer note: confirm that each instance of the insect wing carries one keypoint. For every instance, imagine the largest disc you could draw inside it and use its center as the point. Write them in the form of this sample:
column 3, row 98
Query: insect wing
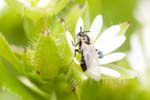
column 91, row 60
column 90, row 55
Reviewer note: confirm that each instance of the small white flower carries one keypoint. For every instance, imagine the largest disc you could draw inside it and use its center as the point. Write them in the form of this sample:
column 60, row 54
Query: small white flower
column 107, row 42
column 39, row 4
column 139, row 57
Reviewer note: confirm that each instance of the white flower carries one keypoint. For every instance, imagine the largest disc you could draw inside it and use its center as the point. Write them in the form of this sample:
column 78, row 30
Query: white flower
column 2, row 4
column 139, row 57
column 39, row 4
column 141, row 11
column 107, row 42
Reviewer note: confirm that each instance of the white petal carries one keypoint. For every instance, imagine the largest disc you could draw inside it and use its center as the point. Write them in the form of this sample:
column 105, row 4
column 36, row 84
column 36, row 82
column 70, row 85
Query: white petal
column 109, row 33
column 95, row 27
column 141, row 14
column 79, row 25
column 136, row 57
column 110, row 45
column 111, row 58
column 42, row 3
column 94, row 72
column 2, row 4
column 69, row 40
column 109, row 72
column 146, row 40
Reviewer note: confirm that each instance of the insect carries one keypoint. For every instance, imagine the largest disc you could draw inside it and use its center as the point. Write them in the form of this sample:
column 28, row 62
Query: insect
column 89, row 55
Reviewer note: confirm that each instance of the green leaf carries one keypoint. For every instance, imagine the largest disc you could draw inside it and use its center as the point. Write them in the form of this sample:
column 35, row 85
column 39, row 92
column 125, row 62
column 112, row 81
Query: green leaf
column 45, row 57
column 11, row 27
column 86, row 16
column 9, row 80
column 6, row 53
column 33, row 12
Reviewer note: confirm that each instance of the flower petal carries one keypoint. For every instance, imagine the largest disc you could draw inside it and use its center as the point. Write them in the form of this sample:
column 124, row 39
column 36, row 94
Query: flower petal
column 2, row 4
column 94, row 72
column 95, row 27
column 109, row 72
column 110, row 45
column 146, row 40
column 141, row 11
column 136, row 57
column 109, row 33
column 42, row 3
column 111, row 58
column 79, row 25
column 69, row 40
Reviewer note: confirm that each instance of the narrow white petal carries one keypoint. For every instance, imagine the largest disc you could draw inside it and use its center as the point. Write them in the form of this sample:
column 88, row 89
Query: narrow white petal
column 42, row 3
column 109, row 72
column 69, row 40
column 109, row 33
column 146, row 40
column 111, row 58
column 110, row 45
column 79, row 25
column 94, row 72
column 136, row 57
column 95, row 27
column 141, row 14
